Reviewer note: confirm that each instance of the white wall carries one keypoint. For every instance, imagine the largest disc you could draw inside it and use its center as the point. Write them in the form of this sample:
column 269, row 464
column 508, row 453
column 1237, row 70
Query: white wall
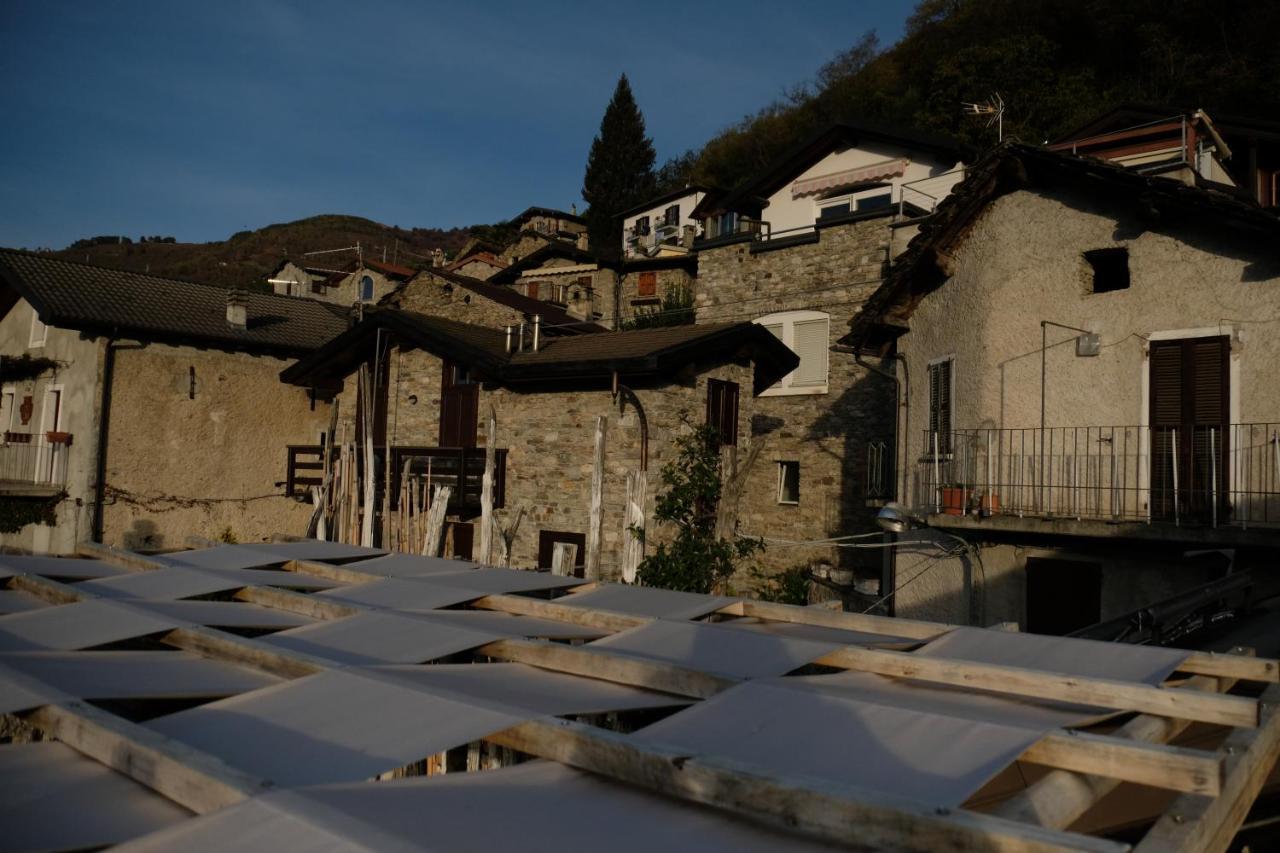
column 686, row 202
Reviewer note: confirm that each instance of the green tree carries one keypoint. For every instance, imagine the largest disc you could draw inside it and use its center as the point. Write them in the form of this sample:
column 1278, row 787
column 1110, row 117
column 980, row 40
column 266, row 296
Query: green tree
column 694, row 560
column 619, row 170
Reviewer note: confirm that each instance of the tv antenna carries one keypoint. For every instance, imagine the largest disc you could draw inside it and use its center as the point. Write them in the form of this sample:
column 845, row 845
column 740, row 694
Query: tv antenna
column 993, row 108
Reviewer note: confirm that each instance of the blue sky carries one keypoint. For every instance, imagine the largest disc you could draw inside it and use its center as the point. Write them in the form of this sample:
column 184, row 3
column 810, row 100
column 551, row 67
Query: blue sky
column 198, row 119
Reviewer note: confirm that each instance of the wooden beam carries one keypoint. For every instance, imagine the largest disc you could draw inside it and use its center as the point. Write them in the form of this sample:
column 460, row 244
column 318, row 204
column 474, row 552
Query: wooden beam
column 118, row 557
column 1169, row 767
column 892, row 626
column 485, row 556
column 293, row 602
column 194, row 541
column 53, row 592
column 1037, row 684
column 1237, row 666
column 519, row 605
column 341, row 574
column 211, row 643
column 619, row 669
column 191, row 778
column 1194, row 823
column 595, row 515
column 834, row 813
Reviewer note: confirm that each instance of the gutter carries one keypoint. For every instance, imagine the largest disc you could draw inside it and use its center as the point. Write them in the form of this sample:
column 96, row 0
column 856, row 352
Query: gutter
column 104, row 420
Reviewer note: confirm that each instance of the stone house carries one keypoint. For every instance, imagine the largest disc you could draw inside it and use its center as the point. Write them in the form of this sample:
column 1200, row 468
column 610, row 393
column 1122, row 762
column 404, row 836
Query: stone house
column 139, row 410
column 365, row 280
column 440, row 379
column 479, row 265
column 1086, row 356
column 566, row 275
column 798, row 249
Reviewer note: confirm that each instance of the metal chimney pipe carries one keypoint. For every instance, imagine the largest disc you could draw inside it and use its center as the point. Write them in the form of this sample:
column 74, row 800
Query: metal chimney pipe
column 537, row 327
column 520, row 341
column 508, row 340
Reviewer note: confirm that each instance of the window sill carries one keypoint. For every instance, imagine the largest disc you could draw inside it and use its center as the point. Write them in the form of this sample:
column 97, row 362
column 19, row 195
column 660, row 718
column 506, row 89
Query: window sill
column 795, row 392
column 788, row 503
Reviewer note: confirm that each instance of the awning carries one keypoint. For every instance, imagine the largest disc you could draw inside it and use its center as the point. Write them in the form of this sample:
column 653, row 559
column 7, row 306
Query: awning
column 850, row 177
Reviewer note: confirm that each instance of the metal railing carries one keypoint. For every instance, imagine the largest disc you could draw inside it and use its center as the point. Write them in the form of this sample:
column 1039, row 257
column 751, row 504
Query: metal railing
column 879, row 473
column 1188, row 475
column 921, row 196
column 38, row 462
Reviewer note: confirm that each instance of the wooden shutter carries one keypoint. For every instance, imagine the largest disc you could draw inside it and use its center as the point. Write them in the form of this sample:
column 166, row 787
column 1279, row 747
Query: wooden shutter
column 940, row 405
column 1190, row 411
column 722, row 410
column 647, row 284
column 532, row 290
column 809, row 341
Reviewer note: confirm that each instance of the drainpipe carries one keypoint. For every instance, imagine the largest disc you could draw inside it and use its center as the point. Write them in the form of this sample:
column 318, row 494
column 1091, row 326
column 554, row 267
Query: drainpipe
column 508, row 340
column 537, row 328
column 104, row 419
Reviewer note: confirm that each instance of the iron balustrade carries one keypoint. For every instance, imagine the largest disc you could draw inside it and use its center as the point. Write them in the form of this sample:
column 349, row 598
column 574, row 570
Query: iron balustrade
column 1188, row 475
column 35, row 461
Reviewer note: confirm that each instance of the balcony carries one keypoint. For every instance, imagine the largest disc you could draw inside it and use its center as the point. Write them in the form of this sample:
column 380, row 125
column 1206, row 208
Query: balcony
column 34, row 465
column 1193, row 477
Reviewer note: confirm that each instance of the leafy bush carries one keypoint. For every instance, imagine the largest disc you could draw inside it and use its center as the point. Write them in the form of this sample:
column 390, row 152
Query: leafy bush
column 788, row 587
column 695, row 560
column 676, row 310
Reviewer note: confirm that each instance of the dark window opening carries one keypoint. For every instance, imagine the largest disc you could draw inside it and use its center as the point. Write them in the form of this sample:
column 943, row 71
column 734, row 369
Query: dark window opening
column 722, row 411
column 940, row 407
column 831, row 211
column 788, row 482
column 672, row 215
column 1110, row 269
column 1062, row 595
column 366, row 289
column 874, row 202
column 547, row 541
column 642, row 225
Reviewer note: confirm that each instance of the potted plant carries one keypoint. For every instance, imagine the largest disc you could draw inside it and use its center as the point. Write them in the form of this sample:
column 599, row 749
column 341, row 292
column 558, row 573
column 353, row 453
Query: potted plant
column 955, row 498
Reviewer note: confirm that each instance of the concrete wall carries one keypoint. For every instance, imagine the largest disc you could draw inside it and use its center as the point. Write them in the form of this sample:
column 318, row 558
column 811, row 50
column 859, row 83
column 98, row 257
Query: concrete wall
column 78, row 378
column 178, row 466
column 827, row 433
column 785, row 213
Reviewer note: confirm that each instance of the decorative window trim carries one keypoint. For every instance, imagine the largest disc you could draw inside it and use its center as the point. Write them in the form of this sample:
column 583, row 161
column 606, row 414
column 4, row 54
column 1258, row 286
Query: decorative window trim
column 785, row 386
column 39, row 331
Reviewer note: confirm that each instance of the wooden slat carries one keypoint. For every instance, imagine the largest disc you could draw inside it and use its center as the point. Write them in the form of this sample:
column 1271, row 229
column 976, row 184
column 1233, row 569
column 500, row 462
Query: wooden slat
column 1168, row 767
column 295, row 602
column 1194, row 823
column 837, row 619
column 341, row 574
column 212, row 643
column 587, row 617
column 1240, row 667
column 117, row 557
column 1037, row 684
column 189, row 777
column 619, row 669
column 834, row 813
column 54, row 592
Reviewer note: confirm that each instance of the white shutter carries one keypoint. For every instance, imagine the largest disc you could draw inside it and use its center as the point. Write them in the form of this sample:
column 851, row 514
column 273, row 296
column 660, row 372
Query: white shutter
column 810, row 343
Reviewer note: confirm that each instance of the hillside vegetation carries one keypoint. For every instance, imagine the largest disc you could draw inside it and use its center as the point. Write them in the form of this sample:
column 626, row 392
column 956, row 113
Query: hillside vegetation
column 1056, row 64
column 246, row 258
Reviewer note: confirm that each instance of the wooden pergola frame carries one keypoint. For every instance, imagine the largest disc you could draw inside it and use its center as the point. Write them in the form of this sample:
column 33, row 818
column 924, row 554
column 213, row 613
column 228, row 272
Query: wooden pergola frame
column 1215, row 789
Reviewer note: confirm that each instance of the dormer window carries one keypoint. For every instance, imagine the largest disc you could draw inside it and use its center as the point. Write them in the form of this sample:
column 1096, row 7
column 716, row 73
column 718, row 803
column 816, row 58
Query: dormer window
column 366, row 288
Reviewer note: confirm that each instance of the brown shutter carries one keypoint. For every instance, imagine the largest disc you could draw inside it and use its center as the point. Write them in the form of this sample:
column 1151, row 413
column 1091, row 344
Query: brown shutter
column 533, row 290
column 940, row 405
column 722, row 410
column 647, row 284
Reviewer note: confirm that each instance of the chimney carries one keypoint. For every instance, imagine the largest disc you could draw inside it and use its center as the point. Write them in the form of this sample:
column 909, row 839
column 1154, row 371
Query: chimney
column 537, row 327
column 509, row 340
column 582, row 242
column 237, row 309
column 437, row 257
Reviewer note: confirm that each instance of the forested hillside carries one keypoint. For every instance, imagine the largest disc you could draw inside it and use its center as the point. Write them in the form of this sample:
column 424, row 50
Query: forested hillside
column 1055, row 64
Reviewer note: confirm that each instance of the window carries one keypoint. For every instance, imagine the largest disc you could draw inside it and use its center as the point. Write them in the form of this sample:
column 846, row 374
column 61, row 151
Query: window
column 647, row 284
column 722, row 410
column 788, row 482
column 531, row 289
column 671, row 216
column 39, row 331
column 642, row 225
column 366, row 288
column 875, row 202
column 1110, row 269
column 317, row 287
column 831, row 211
column 8, row 407
column 728, row 224
column 806, row 333
column 940, row 392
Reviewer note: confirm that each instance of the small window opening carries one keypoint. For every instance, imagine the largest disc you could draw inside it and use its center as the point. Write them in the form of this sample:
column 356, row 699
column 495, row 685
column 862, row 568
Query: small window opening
column 366, row 289
column 1110, row 269
column 788, row 482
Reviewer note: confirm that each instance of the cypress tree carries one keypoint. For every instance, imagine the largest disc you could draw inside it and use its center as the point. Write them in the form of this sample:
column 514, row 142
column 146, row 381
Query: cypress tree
column 619, row 170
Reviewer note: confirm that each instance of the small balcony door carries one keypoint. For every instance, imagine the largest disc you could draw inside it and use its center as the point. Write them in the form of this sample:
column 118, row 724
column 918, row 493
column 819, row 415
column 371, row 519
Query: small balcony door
column 1190, row 410
column 459, row 407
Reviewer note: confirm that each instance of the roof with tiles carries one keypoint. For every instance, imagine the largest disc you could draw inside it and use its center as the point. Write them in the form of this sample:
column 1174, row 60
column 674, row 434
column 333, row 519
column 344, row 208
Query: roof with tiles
column 94, row 299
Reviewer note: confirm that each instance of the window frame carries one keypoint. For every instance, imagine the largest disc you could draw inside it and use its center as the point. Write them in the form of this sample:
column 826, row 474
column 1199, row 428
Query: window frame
column 785, row 386
column 718, row 389
column 945, row 439
column 39, row 331
column 785, row 465
column 371, row 285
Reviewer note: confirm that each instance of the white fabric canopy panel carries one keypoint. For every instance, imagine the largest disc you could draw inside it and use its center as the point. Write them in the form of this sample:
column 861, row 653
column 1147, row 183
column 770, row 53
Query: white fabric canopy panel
column 500, row 581
column 537, row 807
column 410, row 565
column 381, row 637
column 648, row 601
column 868, row 743
column 714, row 649
column 134, row 674
column 81, row 625
column 223, row 614
column 319, row 551
column 227, row 557
column 62, row 568
column 17, row 601
column 817, row 633
column 335, row 726
column 401, row 594
column 509, row 625
column 533, row 691
column 169, row 583
column 54, row 798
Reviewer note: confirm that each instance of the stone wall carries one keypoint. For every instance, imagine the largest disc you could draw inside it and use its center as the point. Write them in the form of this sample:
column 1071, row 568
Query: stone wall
column 178, row 466
column 827, row 433
column 631, row 303
column 426, row 293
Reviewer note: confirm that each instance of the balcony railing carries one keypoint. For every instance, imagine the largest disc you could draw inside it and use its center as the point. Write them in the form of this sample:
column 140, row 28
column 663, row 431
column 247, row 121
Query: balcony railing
column 1189, row 475
column 460, row 468
column 33, row 460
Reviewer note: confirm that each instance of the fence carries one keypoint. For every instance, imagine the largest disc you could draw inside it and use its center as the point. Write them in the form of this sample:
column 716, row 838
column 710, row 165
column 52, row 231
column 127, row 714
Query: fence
column 36, row 463
column 1192, row 475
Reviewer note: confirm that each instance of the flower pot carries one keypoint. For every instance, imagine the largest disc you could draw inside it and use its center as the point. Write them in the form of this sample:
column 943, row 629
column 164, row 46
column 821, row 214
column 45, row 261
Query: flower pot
column 990, row 504
column 955, row 499
column 55, row 437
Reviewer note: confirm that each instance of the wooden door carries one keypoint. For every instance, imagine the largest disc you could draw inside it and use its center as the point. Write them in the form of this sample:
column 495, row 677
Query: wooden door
column 459, row 407
column 1190, row 409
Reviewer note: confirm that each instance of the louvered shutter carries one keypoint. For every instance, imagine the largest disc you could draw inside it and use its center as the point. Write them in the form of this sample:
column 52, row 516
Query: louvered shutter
column 809, row 341
column 940, row 404
column 1166, row 384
